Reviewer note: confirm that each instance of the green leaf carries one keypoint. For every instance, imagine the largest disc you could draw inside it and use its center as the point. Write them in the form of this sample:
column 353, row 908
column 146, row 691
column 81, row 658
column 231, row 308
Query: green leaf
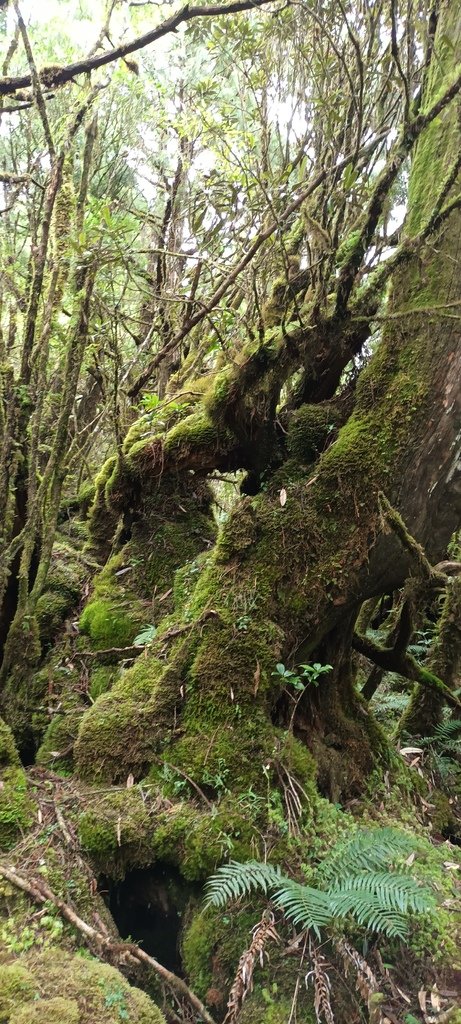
column 145, row 637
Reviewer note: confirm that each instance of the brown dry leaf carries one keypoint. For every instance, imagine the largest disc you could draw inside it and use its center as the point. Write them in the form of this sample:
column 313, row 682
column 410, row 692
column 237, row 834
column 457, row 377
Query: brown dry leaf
column 422, row 999
column 232, row 694
column 39, row 816
column 404, row 995
column 435, row 999
column 283, row 497
column 130, row 781
column 410, row 860
column 257, row 678
column 119, row 831
column 451, row 866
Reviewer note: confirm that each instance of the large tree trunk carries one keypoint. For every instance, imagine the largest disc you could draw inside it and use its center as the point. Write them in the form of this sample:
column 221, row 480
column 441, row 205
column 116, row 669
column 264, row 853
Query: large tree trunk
column 286, row 579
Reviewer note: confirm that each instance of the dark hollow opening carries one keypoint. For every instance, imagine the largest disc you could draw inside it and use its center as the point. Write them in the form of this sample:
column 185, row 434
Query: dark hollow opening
column 148, row 906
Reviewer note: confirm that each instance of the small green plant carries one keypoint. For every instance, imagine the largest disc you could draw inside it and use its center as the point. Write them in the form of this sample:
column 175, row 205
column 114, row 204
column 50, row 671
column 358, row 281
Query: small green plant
column 355, row 881
column 217, row 779
column 114, row 999
column 307, row 675
column 177, row 785
column 145, row 636
column 299, row 680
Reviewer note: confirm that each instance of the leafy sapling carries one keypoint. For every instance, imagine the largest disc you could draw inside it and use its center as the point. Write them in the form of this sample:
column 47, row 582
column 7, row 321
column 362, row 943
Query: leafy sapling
column 298, row 681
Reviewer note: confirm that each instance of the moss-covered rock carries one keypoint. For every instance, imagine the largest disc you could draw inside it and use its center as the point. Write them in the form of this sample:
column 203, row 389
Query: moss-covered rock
column 118, row 832
column 124, row 728
column 17, row 986
column 212, row 945
column 48, row 1011
column 102, row 679
column 54, row 987
column 56, row 748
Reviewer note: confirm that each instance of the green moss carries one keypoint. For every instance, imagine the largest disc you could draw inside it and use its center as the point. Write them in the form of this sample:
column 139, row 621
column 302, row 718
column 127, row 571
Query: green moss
column 103, row 678
column 267, row 1007
column 114, row 615
column 434, row 939
column 80, row 988
column 308, row 430
column 121, row 733
column 56, row 749
column 109, row 623
column 51, row 612
column 117, row 831
column 8, row 753
column 210, row 935
column 212, row 945
column 348, row 248
column 194, row 432
column 48, row 1011
column 17, row 985
column 238, row 533
column 16, row 806
column 102, row 519
column 219, row 390
column 185, row 580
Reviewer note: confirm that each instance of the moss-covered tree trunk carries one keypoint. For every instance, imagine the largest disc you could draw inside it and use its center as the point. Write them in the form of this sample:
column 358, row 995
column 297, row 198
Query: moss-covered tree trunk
column 293, row 563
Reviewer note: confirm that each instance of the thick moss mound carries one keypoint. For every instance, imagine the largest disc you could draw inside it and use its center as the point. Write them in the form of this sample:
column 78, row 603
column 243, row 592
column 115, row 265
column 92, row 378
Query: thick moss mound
column 115, row 614
column 17, row 986
column 48, row 1011
column 54, row 987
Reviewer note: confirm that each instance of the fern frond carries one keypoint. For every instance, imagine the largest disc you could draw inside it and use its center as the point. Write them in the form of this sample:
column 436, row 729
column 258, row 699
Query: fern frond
column 234, row 880
column 368, row 850
column 303, row 905
column 381, row 901
column 396, row 892
column 447, row 731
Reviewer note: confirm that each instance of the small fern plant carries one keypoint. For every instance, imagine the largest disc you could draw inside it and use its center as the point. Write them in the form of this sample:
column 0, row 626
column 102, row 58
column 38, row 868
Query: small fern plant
column 444, row 749
column 357, row 879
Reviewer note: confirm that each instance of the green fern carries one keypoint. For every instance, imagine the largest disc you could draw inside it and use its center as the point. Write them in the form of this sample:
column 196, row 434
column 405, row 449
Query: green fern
column 234, row 880
column 381, row 901
column 448, row 733
column 444, row 752
column 303, row 905
column 368, row 850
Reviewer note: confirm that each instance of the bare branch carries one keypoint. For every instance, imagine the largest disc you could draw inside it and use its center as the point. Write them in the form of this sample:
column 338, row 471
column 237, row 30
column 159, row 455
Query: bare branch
column 52, row 77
